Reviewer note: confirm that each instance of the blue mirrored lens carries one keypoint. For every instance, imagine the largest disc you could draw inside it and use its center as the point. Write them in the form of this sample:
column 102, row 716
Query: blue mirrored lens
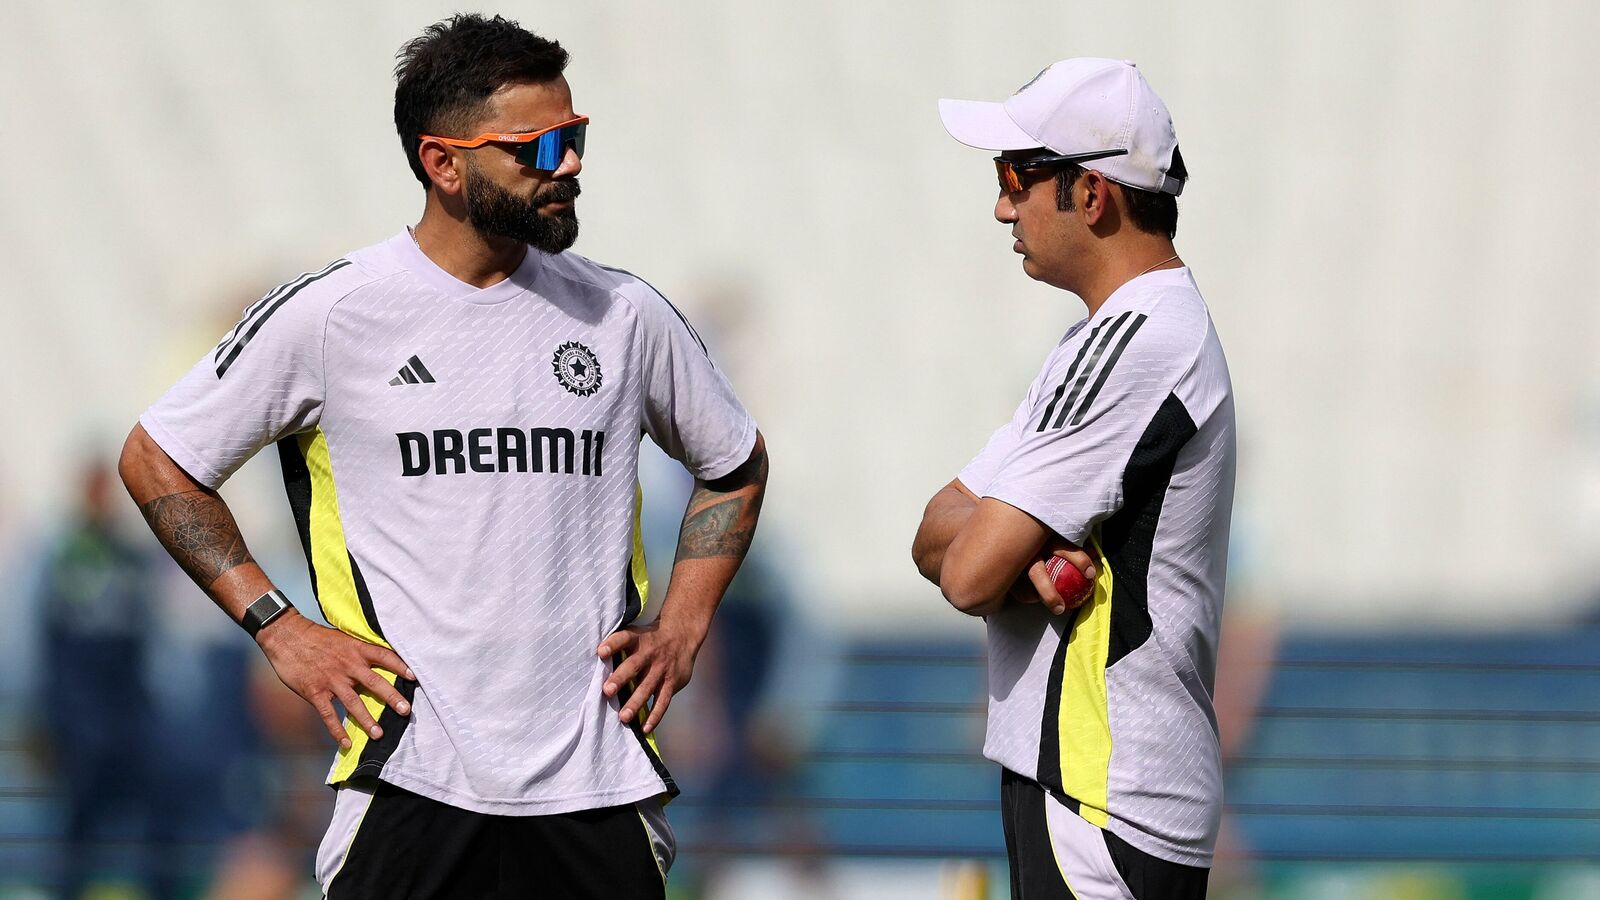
column 546, row 153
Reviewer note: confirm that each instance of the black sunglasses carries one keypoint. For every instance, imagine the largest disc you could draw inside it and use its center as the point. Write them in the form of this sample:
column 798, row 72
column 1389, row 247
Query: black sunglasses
column 1017, row 174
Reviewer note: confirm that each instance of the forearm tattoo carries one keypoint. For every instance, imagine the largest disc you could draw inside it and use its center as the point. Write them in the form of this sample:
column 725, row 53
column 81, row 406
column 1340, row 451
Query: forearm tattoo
column 721, row 518
column 199, row 532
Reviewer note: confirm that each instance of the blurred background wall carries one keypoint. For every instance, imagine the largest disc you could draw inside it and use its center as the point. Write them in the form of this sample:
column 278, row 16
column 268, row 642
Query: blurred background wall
column 1391, row 215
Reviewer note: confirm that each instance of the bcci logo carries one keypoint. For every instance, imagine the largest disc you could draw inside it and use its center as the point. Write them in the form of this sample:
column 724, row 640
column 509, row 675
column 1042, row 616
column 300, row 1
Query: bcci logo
column 577, row 368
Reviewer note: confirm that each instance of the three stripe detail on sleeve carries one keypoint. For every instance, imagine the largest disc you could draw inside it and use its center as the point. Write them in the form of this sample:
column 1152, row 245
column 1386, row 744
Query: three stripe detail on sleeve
column 259, row 312
column 1110, row 334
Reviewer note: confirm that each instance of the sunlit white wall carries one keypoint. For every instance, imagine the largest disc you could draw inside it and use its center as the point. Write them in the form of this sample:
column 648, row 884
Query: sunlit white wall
column 1391, row 214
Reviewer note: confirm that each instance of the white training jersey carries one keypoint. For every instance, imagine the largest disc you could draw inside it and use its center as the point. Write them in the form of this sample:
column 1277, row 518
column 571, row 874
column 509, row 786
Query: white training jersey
column 462, row 465
column 1124, row 445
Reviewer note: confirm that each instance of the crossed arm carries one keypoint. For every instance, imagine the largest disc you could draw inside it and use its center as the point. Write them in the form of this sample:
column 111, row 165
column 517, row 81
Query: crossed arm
column 658, row 658
column 982, row 552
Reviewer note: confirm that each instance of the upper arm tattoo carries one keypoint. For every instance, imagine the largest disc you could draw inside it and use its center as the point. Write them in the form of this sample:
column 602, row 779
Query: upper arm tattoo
column 721, row 517
column 715, row 529
column 200, row 533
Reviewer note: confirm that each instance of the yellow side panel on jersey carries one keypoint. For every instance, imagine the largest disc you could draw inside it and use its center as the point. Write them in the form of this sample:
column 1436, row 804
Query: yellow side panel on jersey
column 1085, row 722
column 336, row 585
column 638, row 568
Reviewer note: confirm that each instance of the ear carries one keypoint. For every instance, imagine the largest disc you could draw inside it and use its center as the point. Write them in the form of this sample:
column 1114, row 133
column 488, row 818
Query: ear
column 444, row 168
column 1095, row 190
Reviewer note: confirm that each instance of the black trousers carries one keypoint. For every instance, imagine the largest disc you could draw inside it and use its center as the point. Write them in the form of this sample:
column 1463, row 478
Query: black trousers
column 408, row 847
column 1078, row 860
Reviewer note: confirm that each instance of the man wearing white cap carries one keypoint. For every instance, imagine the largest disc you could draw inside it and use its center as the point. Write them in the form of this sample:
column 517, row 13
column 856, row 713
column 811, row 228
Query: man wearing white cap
column 1100, row 708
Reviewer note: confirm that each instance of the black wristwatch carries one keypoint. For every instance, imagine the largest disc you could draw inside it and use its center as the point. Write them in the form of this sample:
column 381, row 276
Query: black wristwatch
column 264, row 610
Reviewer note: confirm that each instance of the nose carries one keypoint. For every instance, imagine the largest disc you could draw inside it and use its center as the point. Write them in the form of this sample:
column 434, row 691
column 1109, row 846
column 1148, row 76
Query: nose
column 570, row 166
column 1005, row 212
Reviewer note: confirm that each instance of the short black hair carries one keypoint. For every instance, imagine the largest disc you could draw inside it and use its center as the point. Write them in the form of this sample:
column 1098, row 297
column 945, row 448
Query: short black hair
column 1153, row 212
column 445, row 76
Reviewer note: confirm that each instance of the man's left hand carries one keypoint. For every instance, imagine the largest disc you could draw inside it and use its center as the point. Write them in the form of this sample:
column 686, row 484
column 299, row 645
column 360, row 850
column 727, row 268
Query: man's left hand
column 658, row 658
column 1035, row 585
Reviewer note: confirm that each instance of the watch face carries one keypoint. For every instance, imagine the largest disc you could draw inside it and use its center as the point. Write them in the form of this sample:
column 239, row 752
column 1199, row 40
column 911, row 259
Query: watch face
column 265, row 608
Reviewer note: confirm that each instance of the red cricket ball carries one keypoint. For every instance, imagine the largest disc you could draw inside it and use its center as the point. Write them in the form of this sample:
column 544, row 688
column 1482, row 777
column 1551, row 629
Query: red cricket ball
column 1070, row 583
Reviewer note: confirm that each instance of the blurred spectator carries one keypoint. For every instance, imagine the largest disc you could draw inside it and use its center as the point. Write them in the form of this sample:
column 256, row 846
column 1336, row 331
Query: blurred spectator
column 1245, row 666
column 737, row 739
column 147, row 729
column 753, row 751
column 93, row 598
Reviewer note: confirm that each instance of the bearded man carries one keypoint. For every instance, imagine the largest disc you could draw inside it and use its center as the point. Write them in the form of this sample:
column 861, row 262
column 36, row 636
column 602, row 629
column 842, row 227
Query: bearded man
column 458, row 412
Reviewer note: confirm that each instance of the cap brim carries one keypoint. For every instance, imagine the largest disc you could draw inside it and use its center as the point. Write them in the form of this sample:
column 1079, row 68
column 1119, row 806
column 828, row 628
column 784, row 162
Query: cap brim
column 984, row 125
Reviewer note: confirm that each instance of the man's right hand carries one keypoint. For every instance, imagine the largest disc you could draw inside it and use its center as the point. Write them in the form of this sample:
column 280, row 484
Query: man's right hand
column 325, row 664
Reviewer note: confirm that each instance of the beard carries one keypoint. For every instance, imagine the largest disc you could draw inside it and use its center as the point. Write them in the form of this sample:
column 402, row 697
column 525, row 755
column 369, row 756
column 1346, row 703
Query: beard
column 493, row 210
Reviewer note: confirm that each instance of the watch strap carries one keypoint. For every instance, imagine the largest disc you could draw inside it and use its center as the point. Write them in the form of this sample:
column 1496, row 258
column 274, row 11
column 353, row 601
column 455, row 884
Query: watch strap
column 263, row 610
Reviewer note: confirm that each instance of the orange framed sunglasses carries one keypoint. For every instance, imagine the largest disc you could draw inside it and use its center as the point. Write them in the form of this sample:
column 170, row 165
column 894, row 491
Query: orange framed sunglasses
column 543, row 149
column 1018, row 174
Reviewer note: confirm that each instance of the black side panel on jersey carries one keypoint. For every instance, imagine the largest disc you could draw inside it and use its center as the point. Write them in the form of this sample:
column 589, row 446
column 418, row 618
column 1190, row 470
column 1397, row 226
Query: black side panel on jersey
column 660, row 767
column 297, row 484
column 1049, row 769
column 377, row 752
column 635, row 603
column 368, row 611
column 646, row 743
column 1128, row 536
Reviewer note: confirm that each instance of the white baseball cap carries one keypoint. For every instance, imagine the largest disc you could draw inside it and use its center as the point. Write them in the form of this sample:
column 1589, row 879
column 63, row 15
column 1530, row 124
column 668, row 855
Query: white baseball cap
column 1081, row 106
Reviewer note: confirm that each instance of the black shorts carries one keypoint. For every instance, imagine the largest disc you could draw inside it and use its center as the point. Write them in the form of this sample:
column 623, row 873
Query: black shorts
column 1056, row 855
column 385, row 842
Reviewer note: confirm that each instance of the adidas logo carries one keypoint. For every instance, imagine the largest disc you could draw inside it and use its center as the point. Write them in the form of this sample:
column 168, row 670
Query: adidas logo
column 412, row 373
